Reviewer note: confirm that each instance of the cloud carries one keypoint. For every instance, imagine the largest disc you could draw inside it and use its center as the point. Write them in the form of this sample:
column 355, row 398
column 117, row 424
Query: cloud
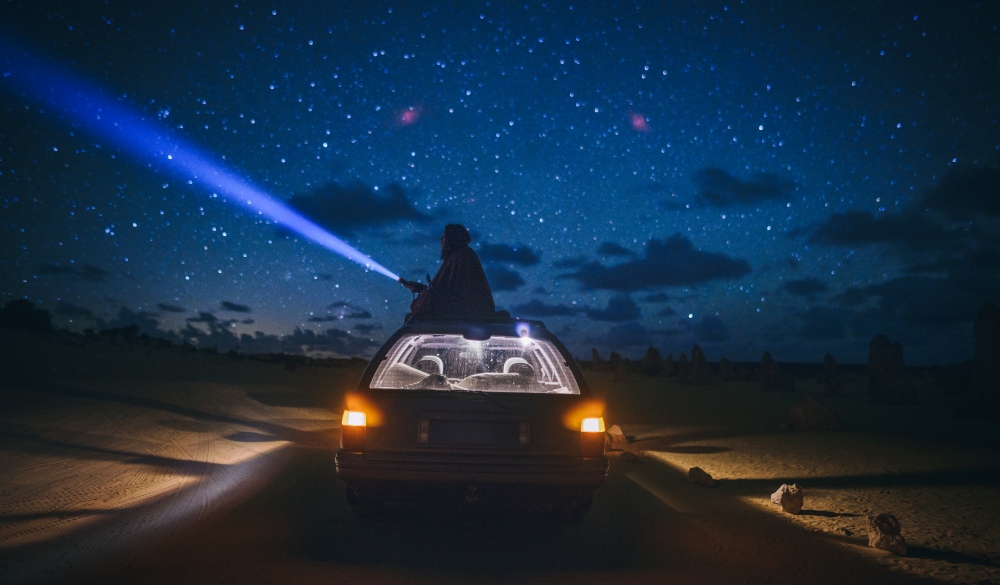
column 46, row 268
column 87, row 272
column 521, row 255
column 330, row 341
column 825, row 323
column 366, row 327
column 344, row 310
column 502, row 278
column 967, row 191
column 613, row 249
column 658, row 297
column 631, row 334
column 203, row 318
column 909, row 230
column 620, row 308
column 574, row 262
column 670, row 262
column 170, row 308
column 925, row 300
column 711, row 329
column 145, row 321
column 93, row 273
column 236, row 308
column 71, row 311
column 539, row 309
column 806, row 287
column 719, row 188
column 344, row 210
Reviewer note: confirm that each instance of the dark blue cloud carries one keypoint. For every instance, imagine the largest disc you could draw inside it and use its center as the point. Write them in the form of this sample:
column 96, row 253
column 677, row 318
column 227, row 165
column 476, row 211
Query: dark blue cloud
column 502, row 278
column 345, row 310
column 805, row 287
column 539, row 309
column 620, row 308
column 613, row 249
column 631, row 334
column 345, row 210
column 236, row 308
column 87, row 272
column 711, row 329
column 719, row 188
column 909, row 230
column 520, row 254
column 71, row 311
column 670, row 262
column 967, row 191
column 170, row 308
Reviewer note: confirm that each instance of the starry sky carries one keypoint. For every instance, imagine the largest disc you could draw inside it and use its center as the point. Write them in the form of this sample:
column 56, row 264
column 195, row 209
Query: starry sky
column 793, row 177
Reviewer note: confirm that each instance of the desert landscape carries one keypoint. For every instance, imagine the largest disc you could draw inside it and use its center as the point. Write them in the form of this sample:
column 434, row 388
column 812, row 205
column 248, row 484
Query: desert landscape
column 134, row 461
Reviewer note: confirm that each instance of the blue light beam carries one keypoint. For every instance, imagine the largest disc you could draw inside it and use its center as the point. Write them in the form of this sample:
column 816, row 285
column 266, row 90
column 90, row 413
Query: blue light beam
column 85, row 106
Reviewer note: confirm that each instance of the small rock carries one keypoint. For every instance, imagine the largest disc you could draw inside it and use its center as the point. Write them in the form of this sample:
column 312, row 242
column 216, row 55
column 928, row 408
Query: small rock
column 789, row 497
column 810, row 415
column 701, row 477
column 629, row 457
column 884, row 533
column 845, row 532
column 616, row 440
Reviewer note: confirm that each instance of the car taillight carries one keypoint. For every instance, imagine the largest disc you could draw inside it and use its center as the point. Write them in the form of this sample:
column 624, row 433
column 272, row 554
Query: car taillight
column 592, row 425
column 352, row 430
column 592, row 437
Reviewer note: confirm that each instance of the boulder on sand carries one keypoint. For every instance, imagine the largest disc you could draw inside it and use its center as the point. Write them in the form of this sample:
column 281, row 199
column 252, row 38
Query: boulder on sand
column 884, row 533
column 789, row 497
column 701, row 477
column 616, row 439
column 810, row 415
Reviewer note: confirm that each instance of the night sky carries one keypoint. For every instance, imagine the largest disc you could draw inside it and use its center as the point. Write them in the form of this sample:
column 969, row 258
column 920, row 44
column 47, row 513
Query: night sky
column 788, row 176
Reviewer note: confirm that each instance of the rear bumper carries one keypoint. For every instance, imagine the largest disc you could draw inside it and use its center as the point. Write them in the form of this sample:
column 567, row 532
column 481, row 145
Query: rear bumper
column 395, row 474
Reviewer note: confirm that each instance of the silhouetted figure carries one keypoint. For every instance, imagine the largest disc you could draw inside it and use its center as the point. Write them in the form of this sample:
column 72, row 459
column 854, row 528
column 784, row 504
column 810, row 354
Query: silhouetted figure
column 459, row 290
column 615, row 364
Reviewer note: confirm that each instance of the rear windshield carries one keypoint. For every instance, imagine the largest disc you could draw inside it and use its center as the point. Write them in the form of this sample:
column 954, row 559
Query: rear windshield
column 498, row 364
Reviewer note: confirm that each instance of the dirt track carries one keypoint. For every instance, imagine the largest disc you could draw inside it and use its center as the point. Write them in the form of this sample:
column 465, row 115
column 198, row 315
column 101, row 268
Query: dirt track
column 201, row 469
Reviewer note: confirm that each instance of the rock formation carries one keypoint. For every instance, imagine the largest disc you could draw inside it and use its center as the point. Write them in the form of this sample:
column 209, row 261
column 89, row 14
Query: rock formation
column 810, row 415
column 885, row 533
column 701, row 477
column 887, row 372
column 652, row 363
column 789, row 498
column 831, row 377
column 986, row 362
column 616, row 441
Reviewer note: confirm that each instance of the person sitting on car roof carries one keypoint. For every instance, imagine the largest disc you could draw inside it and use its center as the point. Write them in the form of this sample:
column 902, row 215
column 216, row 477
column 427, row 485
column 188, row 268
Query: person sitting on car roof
column 459, row 290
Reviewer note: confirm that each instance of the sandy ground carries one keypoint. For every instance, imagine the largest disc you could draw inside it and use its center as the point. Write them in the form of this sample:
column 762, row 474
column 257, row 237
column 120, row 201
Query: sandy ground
column 133, row 465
